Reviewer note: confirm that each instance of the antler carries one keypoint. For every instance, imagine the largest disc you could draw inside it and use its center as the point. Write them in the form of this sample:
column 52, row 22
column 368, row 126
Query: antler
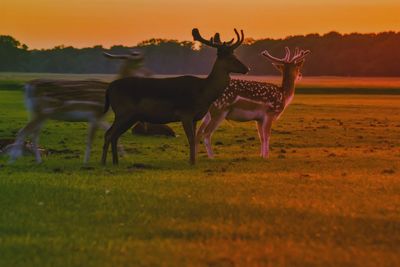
column 197, row 37
column 287, row 55
column 132, row 55
column 240, row 39
column 298, row 56
column 275, row 59
column 216, row 41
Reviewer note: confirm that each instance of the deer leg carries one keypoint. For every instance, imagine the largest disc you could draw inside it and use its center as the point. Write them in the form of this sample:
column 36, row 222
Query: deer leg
column 114, row 149
column 209, row 130
column 266, row 133
column 200, row 131
column 105, row 126
column 16, row 148
column 261, row 136
column 107, row 140
column 35, row 143
column 194, row 140
column 91, row 132
column 118, row 128
column 190, row 129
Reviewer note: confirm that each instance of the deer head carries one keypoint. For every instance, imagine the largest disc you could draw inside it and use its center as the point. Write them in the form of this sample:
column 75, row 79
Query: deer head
column 225, row 56
column 290, row 68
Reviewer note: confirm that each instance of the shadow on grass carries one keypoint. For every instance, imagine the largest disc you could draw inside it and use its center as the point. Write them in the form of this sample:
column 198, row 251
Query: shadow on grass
column 70, row 162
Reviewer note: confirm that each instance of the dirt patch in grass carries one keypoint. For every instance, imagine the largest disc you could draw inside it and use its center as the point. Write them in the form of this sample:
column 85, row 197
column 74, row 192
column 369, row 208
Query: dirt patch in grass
column 62, row 151
column 141, row 166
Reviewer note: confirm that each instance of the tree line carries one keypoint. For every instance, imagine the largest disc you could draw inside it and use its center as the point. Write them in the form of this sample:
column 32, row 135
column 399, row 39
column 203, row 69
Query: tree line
column 332, row 54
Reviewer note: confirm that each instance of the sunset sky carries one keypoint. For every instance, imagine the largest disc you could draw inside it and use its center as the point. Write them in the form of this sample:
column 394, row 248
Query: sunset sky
column 47, row 23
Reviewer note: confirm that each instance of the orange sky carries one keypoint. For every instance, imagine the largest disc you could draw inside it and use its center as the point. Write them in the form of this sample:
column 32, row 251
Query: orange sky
column 80, row 23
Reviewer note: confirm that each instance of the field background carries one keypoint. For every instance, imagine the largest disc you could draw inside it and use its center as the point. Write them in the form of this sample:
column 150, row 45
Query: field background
column 328, row 196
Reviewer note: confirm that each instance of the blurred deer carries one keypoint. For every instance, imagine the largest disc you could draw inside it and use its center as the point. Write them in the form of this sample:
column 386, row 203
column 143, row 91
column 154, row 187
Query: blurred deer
column 63, row 100
column 132, row 64
column 255, row 101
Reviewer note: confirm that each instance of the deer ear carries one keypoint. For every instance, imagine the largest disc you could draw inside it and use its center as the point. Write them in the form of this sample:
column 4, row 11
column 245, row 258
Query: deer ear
column 277, row 66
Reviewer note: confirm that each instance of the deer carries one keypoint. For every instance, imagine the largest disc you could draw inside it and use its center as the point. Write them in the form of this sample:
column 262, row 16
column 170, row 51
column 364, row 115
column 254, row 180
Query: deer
column 184, row 99
column 62, row 100
column 255, row 101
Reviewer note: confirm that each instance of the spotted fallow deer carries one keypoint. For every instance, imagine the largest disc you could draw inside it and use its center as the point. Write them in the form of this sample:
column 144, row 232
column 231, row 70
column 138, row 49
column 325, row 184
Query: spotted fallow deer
column 255, row 101
column 184, row 99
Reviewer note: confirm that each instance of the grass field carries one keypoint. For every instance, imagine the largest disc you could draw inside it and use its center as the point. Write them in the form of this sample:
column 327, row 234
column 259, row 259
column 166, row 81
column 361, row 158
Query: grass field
column 308, row 85
column 328, row 196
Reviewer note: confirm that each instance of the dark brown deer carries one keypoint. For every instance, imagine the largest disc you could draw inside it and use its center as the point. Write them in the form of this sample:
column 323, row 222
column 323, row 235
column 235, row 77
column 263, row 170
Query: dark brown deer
column 184, row 99
column 255, row 101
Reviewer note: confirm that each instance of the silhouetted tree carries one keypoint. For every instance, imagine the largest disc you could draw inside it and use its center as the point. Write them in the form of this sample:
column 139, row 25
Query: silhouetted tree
column 13, row 54
column 332, row 54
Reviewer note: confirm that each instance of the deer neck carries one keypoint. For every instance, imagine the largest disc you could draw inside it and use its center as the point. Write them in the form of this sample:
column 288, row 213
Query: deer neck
column 216, row 82
column 288, row 86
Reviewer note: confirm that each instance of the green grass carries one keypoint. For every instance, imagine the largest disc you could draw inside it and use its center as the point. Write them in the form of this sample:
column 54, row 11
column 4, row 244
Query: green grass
column 328, row 196
column 308, row 85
